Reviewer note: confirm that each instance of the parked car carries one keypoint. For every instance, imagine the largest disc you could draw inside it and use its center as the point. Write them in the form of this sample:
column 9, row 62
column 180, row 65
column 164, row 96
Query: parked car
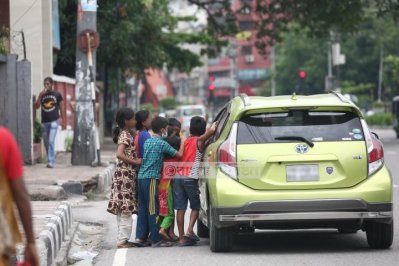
column 186, row 112
column 294, row 162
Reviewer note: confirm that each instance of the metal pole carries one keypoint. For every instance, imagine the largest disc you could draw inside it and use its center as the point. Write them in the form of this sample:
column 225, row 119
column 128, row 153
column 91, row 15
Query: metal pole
column 273, row 55
column 329, row 60
column 84, row 140
column 23, row 43
column 93, row 98
column 380, row 76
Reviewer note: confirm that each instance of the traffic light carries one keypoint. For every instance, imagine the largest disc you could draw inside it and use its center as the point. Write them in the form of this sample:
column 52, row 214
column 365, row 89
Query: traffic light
column 211, row 88
column 211, row 85
column 302, row 74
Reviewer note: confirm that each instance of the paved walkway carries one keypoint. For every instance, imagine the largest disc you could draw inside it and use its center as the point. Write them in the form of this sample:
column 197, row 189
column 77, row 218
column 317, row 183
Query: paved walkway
column 38, row 175
column 63, row 172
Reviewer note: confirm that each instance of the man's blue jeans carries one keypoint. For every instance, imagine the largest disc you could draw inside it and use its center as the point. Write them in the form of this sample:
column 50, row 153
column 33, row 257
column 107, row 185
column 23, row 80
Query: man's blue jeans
column 49, row 131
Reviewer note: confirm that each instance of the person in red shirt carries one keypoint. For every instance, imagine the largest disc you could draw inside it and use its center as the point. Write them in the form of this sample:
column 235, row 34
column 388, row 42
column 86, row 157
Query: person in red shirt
column 185, row 184
column 13, row 190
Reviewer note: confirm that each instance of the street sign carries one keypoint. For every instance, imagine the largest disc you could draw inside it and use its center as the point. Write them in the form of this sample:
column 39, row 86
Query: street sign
column 337, row 57
column 89, row 5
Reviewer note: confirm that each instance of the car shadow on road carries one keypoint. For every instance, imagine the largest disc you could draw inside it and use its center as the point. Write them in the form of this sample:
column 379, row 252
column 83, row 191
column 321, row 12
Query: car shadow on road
column 301, row 241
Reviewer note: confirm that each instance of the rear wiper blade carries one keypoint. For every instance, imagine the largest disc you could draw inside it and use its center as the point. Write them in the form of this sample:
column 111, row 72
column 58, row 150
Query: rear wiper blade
column 310, row 143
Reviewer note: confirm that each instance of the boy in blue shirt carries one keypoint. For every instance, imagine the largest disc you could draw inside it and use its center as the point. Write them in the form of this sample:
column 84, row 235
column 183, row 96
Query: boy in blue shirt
column 155, row 150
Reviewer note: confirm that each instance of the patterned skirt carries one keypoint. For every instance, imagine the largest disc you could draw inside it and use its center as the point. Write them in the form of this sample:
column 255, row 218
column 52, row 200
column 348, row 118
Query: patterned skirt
column 123, row 198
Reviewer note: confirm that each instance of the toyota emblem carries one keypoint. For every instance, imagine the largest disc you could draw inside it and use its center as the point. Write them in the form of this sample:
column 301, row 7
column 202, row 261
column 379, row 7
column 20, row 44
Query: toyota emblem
column 301, row 148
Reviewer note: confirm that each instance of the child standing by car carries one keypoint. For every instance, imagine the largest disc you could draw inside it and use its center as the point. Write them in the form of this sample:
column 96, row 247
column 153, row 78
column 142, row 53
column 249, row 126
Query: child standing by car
column 155, row 150
column 166, row 210
column 185, row 186
column 123, row 201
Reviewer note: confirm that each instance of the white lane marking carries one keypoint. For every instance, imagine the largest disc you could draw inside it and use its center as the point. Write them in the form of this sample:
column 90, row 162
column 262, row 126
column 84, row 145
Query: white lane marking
column 395, row 186
column 392, row 152
column 120, row 257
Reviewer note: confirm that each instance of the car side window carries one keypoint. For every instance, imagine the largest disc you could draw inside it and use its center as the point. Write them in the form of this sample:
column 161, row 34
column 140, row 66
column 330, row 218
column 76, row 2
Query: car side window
column 217, row 120
column 221, row 124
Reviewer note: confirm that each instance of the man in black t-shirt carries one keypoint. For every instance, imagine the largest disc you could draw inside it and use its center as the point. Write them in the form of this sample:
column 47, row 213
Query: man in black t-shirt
column 50, row 102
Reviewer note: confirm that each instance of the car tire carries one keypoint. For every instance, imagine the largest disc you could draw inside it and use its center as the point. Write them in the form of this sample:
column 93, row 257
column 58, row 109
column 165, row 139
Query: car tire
column 347, row 231
column 202, row 230
column 221, row 239
column 379, row 235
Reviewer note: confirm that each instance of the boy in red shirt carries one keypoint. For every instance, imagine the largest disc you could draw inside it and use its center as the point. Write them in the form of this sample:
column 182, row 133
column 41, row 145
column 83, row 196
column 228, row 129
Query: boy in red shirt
column 12, row 189
column 185, row 185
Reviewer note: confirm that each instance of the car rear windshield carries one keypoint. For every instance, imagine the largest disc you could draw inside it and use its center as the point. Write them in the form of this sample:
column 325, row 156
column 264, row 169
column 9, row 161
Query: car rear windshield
column 292, row 125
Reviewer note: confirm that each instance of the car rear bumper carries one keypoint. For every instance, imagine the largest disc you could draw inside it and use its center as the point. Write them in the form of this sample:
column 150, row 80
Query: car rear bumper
column 312, row 211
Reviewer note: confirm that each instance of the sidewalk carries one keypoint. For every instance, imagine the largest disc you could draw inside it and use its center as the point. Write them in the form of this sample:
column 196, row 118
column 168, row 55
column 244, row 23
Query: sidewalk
column 63, row 172
column 53, row 219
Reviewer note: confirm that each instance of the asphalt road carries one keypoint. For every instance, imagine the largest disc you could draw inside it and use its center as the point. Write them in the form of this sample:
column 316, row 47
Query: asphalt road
column 297, row 247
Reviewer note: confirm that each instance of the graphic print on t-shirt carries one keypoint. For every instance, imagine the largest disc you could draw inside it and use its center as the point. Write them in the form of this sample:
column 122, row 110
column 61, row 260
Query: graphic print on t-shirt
column 50, row 106
column 49, row 102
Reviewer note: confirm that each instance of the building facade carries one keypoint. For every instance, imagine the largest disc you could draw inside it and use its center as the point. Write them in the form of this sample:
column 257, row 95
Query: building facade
column 240, row 64
column 190, row 87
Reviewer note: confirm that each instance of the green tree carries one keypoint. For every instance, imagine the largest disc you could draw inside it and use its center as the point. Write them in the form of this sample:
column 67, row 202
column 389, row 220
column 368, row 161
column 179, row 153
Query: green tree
column 391, row 76
column 168, row 103
column 298, row 52
column 359, row 75
column 135, row 35
column 318, row 17
column 4, row 35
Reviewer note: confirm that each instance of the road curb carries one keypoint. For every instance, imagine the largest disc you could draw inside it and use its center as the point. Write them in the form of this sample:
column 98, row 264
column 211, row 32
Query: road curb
column 104, row 179
column 54, row 233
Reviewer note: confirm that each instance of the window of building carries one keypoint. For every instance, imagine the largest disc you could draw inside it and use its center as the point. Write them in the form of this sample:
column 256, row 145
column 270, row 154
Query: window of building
column 246, row 50
column 246, row 25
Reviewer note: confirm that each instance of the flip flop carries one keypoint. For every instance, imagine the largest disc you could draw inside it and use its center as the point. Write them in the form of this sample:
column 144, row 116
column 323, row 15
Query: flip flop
column 162, row 244
column 174, row 238
column 192, row 237
column 141, row 244
column 187, row 243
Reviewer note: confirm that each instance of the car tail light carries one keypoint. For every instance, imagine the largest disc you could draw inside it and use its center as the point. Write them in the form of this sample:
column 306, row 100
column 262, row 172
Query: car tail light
column 375, row 151
column 227, row 156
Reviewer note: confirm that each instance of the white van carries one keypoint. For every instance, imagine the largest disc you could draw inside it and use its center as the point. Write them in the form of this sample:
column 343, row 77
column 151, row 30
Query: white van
column 186, row 112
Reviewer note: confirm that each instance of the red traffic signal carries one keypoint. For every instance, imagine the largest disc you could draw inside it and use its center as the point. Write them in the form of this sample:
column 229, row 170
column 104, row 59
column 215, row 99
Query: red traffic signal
column 302, row 74
column 211, row 85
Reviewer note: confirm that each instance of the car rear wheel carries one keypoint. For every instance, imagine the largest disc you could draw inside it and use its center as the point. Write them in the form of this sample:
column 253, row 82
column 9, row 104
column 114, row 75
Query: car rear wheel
column 379, row 235
column 221, row 239
column 202, row 230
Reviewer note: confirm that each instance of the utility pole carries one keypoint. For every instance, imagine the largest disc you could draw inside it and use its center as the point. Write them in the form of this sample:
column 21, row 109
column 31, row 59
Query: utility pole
column 380, row 72
column 85, row 136
column 273, row 55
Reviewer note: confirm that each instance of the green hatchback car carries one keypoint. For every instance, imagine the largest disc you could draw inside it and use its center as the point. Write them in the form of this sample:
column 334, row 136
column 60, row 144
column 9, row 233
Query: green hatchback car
column 294, row 162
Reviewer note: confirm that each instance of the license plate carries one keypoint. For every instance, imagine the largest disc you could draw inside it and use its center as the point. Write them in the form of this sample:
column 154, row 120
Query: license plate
column 302, row 173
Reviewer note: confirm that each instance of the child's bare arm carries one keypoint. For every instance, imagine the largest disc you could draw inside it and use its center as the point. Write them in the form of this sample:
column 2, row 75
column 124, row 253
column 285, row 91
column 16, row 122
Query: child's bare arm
column 179, row 153
column 208, row 134
column 120, row 154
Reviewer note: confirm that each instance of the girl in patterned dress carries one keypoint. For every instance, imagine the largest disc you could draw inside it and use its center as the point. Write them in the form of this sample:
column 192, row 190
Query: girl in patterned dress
column 123, row 201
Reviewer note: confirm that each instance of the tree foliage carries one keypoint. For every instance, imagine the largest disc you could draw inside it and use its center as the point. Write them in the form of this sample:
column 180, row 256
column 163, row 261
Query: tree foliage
column 359, row 75
column 299, row 52
column 135, row 35
column 274, row 17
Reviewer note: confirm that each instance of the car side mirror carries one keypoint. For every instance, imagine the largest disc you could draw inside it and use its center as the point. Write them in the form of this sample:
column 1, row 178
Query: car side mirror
column 376, row 135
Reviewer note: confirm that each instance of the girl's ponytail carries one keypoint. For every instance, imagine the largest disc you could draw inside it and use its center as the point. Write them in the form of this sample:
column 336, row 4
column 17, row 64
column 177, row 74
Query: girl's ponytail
column 115, row 134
